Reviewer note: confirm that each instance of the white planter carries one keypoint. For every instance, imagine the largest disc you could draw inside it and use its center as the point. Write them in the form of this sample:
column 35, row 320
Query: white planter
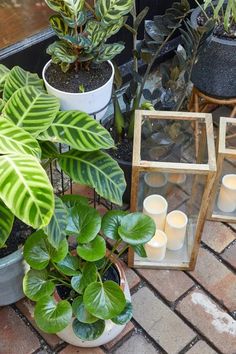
column 111, row 330
column 89, row 102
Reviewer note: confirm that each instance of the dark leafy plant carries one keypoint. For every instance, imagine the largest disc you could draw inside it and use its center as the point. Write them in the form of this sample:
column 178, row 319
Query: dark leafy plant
column 89, row 299
column 31, row 126
column 83, row 31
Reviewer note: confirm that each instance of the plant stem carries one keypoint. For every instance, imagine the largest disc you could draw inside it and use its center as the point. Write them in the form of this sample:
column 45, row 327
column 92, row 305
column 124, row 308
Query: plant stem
column 99, row 276
column 89, row 7
column 202, row 9
column 60, row 280
column 111, row 254
column 135, row 66
column 118, row 256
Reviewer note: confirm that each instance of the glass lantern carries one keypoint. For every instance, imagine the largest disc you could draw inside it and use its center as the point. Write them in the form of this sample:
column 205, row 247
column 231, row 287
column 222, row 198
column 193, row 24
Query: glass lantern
column 173, row 170
column 223, row 197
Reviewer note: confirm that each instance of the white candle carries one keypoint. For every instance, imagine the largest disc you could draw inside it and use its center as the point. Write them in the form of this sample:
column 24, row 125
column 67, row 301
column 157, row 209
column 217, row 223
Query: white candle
column 227, row 197
column 176, row 178
column 156, row 207
column 155, row 183
column 156, row 247
column 175, row 229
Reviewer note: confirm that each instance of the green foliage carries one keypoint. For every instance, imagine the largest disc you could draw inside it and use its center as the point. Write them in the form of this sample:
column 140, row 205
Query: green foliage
column 93, row 299
column 83, row 30
column 222, row 12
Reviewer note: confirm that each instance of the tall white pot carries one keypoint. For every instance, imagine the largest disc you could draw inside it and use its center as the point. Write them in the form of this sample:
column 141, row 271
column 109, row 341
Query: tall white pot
column 89, row 102
column 111, row 330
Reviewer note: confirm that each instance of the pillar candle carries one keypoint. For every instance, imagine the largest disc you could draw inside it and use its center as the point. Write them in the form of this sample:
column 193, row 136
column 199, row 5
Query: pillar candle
column 176, row 178
column 155, row 183
column 227, row 197
column 175, row 229
column 156, row 207
column 156, row 247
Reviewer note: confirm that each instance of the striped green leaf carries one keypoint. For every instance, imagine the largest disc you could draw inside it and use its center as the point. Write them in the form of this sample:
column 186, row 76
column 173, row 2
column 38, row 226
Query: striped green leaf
column 49, row 149
column 18, row 78
column 14, row 139
column 97, row 170
column 6, row 222
column 95, row 32
column 56, row 229
column 26, row 189
column 78, row 130
column 31, row 109
column 110, row 11
column 62, row 52
column 69, row 9
column 109, row 52
column 2, row 104
column 114, row 28
column 4, row 72
column 59, row 26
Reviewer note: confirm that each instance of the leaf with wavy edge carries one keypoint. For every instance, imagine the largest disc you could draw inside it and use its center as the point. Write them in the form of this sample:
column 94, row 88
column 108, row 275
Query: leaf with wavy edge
column 31, row 109
column 78, row 130
column 14, row 139
column 6, row 223
column 97, row 170
column 26, row 189
column 18, row 78
column 4, row 72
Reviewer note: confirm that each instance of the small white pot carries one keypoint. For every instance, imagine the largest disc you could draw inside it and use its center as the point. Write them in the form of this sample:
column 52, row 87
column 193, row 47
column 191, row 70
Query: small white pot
column 111, row 330
column 89, row 102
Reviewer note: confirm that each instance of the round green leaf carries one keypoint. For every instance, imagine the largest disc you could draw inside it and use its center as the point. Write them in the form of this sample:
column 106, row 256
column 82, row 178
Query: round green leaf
column 111, row 222
column 70, row 200
column 104, row 300
column 38, row 252
column 52, row 317
column 92, row 251
column 88, row 276
column 140, row 250
column 136, row 228
column 37, row 285
column 84, row 222
column 80, row 311
column 125, row 316
column 88, row 331
column 69, row 265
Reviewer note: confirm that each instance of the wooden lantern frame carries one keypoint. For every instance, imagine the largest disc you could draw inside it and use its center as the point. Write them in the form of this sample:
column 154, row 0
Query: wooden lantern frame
column 223, row 153
column 208, row 169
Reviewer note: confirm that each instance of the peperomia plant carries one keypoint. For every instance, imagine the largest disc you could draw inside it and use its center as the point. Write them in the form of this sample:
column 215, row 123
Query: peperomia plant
column 31, row 126
column 83, row 31
column 73, row 282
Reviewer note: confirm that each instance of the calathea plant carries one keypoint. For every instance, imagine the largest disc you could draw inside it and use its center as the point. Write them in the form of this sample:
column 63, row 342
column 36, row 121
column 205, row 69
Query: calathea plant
column 31, row 125
column 83, row 31
column 78, row 271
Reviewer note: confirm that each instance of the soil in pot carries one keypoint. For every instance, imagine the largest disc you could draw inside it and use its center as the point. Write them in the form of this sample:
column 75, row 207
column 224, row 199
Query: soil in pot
column 72, row 81
column 19, row 233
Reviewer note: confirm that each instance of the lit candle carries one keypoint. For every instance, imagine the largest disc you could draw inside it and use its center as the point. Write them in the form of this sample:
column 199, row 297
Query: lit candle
column 175, row 229
column 155, row 183
column 176, row 178
column 156, row 207
column 227, row 197
column 156, row 247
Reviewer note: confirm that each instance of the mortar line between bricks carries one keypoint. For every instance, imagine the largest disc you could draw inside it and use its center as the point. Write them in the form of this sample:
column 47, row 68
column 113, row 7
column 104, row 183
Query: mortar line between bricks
column 154, row 343
column 222, row 306
column 189, row 345
column 228, row 225
column 33, row 329
column 218, row 256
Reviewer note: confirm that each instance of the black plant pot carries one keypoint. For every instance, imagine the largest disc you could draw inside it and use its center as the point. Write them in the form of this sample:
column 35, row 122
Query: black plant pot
column 214, row 73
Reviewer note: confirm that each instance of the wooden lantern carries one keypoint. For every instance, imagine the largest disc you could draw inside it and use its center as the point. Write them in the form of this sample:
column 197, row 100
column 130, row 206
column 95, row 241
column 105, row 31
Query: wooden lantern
column 173, row 171
column 222, row 205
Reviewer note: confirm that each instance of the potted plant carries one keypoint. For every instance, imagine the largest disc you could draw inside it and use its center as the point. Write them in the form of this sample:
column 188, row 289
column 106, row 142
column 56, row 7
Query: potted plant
column 80, row 289
column 31, row 124
column 80, row 72
column 214, row 73
column 137, row 96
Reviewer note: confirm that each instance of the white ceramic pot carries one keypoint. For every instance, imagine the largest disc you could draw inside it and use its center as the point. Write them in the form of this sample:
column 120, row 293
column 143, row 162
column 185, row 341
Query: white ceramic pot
column 89, row 102
column 111, row 330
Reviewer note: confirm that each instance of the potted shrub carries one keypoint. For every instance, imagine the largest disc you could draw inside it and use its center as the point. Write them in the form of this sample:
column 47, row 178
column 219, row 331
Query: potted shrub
column 80, row 72
column 80, row 289
column 214, row 72
column 31, row 123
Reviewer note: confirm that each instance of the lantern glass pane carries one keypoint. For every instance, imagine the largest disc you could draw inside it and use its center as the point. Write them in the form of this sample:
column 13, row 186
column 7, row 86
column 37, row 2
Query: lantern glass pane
column 230, row 141
column 170, row 140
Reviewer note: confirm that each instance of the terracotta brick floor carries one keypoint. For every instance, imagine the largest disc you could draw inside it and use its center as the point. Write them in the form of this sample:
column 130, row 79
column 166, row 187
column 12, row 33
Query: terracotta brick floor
column 174, row 311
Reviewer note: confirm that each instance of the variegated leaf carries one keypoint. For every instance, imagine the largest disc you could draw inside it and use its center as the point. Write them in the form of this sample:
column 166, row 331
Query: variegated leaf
column 14, row 139
column 6, row 223
column 97, row 170
column 49, row 149
column 95, row 32
column 110, row 11
column 56, row 229
column 69, row 9
column 4, row 71
column 18, row 78
column 2, row 104
column 114, row 28
column 60, row 27
column 62, row 51
column 31, row 109
column 78, row 130
column 26, row 189
column 109, row 52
